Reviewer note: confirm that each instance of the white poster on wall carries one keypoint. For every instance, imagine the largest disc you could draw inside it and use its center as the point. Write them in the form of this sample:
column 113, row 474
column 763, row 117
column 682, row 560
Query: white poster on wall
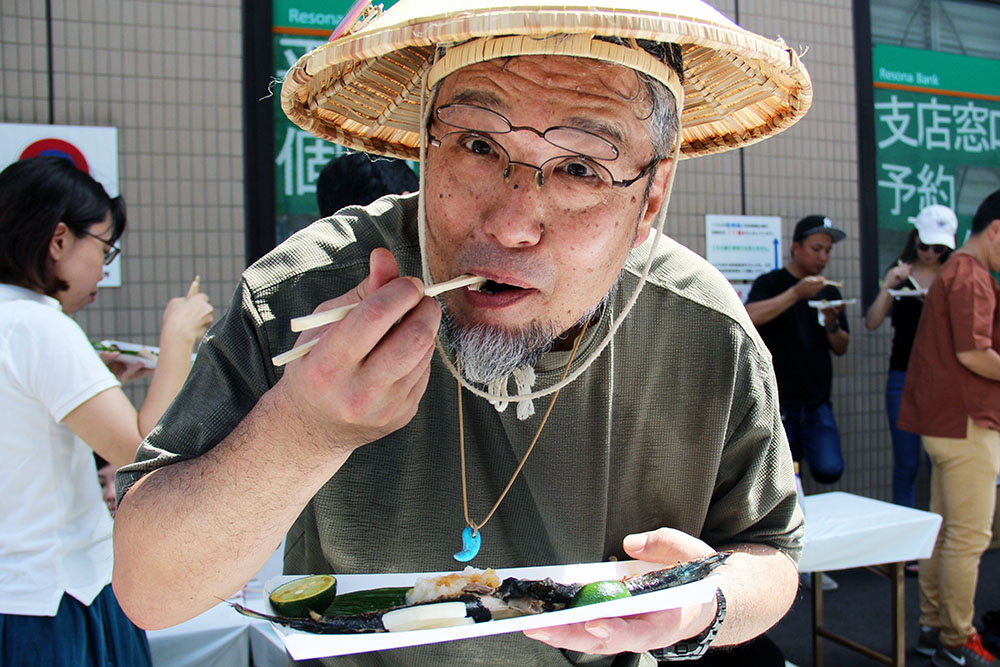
column 93, row 150
column 742, row 247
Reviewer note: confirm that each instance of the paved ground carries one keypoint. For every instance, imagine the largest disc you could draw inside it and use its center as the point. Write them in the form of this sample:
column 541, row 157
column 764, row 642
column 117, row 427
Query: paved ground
column 860, row 610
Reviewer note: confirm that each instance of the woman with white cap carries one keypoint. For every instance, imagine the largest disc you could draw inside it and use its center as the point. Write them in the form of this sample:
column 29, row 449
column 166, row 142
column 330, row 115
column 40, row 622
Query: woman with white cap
column 927, row 247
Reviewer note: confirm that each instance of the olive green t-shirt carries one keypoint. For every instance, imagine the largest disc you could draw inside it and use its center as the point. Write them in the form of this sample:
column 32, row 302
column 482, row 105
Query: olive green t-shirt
column 675, row 424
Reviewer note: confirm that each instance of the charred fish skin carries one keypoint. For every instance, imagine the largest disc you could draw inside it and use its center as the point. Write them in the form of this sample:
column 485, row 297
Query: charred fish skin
column 319, row 624
column 549, row 594
column 682, row 573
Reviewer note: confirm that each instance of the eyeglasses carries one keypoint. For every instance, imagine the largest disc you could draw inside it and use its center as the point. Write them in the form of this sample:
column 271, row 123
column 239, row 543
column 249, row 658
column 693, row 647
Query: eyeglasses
column 937, row 247
column 110, row 253
column 473, row 153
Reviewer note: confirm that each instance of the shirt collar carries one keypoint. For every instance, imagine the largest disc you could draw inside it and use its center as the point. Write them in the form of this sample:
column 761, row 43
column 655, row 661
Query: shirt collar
column 18, row 293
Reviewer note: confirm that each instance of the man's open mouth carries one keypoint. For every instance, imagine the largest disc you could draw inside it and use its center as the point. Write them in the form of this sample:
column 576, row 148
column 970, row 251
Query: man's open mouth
column 493, row 287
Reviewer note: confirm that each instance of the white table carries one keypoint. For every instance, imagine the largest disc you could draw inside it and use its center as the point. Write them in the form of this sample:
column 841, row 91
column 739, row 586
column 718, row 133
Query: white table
column 846, row 531
column 221, row 637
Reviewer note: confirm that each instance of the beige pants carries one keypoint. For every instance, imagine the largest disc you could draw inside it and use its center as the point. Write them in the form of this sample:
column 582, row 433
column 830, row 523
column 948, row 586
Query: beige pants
column 963, row 492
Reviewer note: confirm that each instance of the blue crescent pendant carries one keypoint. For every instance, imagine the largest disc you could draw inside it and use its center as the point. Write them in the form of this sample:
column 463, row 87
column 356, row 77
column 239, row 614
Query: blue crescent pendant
column 470, row 545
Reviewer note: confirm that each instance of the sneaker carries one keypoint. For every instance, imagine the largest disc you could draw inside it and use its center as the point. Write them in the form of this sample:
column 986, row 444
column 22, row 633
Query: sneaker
column 969, row 654
column 927, row 640
column 829, row 583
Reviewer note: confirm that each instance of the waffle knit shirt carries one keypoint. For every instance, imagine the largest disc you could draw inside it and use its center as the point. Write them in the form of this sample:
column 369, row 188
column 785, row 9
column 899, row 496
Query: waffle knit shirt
column 676, row 424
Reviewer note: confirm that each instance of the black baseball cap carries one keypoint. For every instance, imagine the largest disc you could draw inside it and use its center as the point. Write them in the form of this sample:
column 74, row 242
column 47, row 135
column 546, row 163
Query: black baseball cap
column 815, row 224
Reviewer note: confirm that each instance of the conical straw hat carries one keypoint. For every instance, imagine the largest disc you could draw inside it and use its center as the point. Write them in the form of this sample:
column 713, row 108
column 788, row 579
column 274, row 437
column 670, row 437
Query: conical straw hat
column 362, row 89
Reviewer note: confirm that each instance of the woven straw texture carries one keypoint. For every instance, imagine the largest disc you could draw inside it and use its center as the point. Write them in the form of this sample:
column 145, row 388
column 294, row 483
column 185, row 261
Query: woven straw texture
column 363, row 90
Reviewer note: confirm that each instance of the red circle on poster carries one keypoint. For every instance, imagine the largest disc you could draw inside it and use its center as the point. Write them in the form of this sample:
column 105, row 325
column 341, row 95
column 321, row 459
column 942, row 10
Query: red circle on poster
column 56, row 148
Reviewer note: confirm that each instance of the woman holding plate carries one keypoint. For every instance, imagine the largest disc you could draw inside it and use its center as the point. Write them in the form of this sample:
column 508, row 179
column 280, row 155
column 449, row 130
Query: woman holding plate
column 901, row 298
column 58, row 228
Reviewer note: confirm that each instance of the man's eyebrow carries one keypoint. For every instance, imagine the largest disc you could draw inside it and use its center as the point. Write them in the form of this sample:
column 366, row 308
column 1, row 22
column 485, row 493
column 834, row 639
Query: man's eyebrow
column 599, row 127
column 480, row 97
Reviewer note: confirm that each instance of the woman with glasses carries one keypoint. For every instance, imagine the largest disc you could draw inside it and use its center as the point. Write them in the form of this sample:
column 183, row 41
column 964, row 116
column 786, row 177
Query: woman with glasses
column 61, row 403
column 901, row 297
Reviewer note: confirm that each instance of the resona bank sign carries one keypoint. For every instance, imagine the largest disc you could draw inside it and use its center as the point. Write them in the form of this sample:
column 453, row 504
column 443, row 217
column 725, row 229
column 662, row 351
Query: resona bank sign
column 937, row 123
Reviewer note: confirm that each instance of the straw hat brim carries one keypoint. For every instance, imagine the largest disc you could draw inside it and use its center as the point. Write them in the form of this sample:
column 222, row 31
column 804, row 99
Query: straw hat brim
column 363, row 90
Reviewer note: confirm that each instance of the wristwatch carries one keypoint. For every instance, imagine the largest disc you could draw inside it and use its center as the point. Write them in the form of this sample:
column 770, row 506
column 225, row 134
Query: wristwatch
column 695, row 647
column 834, row 328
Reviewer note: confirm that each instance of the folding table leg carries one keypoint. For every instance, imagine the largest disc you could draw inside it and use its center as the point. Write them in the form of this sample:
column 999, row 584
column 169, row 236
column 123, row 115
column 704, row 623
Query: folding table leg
column 898, row 615
column 817, row 618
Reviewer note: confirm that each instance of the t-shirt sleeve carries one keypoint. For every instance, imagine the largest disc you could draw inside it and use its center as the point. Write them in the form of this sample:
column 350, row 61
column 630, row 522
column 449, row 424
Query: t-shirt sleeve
column 755, row 498
column 971, row 304
column 762, row 288
column 55, row 362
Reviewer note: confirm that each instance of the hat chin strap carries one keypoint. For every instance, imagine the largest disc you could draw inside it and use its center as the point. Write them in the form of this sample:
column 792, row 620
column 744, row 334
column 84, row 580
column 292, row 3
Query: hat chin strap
column 497, row 394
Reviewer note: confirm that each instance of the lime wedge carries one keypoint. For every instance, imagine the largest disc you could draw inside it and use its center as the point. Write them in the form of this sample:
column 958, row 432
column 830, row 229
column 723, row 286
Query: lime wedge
column 295, row 599
column 599, row 591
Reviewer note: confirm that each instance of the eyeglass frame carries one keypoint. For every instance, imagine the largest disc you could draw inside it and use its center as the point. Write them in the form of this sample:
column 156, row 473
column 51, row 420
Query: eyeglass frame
column 540, row 178
column 111, row 253
column 938, row 248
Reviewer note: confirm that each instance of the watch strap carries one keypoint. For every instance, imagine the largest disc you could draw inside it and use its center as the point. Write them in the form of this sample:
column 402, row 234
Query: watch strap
column 695, row 647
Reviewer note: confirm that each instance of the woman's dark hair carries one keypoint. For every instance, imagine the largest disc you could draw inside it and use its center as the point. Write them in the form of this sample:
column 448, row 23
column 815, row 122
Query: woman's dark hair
column 909, row 254
column 35, row 196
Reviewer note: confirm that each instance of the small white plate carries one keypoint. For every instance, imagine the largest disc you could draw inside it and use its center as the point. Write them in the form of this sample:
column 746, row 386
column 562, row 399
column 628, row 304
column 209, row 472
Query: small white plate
column 131, row 353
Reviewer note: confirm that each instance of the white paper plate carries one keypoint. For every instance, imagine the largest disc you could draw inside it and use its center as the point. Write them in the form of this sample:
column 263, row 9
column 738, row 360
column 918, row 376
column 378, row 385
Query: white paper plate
column 907, row 292
column 133, row 353
column 831, row 304
column 307, row 646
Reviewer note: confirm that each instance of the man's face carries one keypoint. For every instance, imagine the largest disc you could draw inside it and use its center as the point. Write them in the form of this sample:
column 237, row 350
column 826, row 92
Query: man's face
column 555, row 257
column 812, row 253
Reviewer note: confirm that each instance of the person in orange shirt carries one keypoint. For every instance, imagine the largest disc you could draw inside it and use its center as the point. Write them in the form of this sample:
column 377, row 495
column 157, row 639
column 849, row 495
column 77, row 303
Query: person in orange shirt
column 952, row 399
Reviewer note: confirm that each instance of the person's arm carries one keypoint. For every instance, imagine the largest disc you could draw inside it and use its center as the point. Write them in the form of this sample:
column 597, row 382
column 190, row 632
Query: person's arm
column 879, row 309
column 108, row 422
column 765, row 310
column 197, row 530
column 758, row 582
column 836, row 334
column 984, row 362
column 185, row 321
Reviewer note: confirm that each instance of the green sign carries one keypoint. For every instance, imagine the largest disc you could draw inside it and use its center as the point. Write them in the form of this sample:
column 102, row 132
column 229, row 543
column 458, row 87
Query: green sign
column 299, row 26
column 316, row 14
column 937, row 128
column 936, row 71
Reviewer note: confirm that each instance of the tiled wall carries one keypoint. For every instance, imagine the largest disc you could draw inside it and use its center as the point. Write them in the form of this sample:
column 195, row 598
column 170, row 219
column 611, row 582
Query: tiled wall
column 167, row 74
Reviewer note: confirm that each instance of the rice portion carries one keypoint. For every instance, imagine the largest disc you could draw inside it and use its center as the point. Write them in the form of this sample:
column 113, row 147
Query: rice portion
column 469, row 580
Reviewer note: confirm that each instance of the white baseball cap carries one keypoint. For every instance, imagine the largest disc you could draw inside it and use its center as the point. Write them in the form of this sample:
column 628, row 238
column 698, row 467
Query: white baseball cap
column 936, row 225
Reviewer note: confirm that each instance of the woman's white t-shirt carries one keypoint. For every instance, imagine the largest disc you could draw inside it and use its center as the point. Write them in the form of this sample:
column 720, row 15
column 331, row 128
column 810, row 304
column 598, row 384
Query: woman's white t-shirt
column 55, row 530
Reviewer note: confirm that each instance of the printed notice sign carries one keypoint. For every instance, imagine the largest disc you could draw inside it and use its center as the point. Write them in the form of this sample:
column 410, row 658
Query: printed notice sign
column 743, row 246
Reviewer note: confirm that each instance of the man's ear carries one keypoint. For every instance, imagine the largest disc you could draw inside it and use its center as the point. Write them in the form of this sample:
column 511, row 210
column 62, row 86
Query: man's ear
column 59, row 243
column 994, row 229
column 657, row 198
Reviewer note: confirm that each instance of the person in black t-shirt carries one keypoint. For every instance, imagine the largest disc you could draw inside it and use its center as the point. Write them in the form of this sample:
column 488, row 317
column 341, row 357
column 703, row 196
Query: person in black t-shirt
column 800, row 338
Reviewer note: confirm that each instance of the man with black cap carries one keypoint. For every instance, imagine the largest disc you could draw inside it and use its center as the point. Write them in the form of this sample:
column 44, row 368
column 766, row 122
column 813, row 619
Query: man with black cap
column 800, row 339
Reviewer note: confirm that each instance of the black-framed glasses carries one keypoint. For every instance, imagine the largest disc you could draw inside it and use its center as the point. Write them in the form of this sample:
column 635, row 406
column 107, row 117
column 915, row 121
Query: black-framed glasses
column 111, row 250
column 939, row 248
column 472, row 150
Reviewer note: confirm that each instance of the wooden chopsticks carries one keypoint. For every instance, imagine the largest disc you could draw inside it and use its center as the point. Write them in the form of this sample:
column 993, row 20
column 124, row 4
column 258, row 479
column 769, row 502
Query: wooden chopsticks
column 307, row 322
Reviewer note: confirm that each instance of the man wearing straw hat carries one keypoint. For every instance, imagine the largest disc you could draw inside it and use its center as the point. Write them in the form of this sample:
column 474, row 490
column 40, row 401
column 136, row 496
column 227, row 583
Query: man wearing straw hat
column 548, row 138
